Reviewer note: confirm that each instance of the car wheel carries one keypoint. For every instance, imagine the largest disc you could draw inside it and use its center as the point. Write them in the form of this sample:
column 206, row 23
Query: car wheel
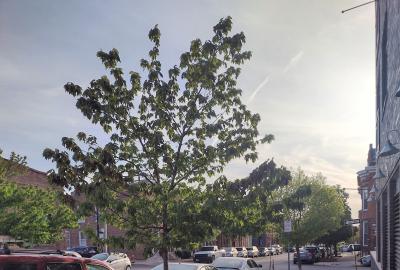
column 212, row 259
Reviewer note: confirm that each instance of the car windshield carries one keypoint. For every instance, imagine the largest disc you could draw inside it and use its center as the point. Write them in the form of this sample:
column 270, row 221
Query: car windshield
column 101, row 256
column 239, row 249
column 249, row 248
column 207, row 249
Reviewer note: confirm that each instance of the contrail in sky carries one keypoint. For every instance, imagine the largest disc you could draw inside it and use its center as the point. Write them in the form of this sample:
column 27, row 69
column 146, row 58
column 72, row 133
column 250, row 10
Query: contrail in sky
column 293, row 61
column 259, row 87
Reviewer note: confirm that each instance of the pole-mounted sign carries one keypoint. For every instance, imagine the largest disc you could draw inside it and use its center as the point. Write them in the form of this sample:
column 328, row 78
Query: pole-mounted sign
column 287, row 226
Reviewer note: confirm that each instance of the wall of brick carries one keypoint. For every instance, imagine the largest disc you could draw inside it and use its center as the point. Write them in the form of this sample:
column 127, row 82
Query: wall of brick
column 388, row 118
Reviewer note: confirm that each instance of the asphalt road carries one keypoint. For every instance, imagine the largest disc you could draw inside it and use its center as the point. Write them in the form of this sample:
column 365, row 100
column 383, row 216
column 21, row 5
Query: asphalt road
column 280, row 262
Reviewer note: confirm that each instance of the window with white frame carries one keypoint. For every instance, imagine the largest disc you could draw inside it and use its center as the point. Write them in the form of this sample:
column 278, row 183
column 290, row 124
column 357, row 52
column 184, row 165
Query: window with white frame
column 364, row 199
column 365, row 233
column 68, row 239
column 82, row 239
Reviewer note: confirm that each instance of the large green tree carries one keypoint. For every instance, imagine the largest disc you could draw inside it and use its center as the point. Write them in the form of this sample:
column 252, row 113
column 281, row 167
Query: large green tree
column 344, row 232
column 313, row 207
column 28, row 213
column 167, row 133
column 246, row 206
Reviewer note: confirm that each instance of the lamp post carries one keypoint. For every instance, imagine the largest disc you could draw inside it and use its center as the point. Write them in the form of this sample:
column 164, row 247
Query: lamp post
column 389, row 148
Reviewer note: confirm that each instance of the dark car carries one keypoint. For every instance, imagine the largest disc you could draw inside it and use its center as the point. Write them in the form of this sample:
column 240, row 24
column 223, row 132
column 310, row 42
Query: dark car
column 86, row 252
column 316, row 253
column 263, row 251
column 305, row 257
column 24, row 261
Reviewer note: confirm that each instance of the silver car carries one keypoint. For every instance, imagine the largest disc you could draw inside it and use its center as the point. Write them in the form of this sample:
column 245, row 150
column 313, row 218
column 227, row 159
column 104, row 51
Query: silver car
column 230, row 252
column 252, row 251
column 117, row 261
column 242, row 252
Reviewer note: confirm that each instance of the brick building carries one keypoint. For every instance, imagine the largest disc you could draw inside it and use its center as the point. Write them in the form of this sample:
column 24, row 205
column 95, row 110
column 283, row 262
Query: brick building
column 72, row 237
column 367, row 214
column 387, row 15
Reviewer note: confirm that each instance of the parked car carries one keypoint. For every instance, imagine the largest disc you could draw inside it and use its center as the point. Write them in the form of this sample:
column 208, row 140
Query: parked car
column 252, row 251
column 344, row 248
column 183, row 253
column 86, row 252
column 354, row 247
column 290, row 249
column 71, row 253
column 279, row 249
column 25, row 261
column 315, row 252
column 208, row 254
column 263, row 251
column 225, row 263
column 185, row 266
column 366, row 260
column 118, row 261
column 305, row 257
column 231, row 252
column 272, row 251
column 242, row 252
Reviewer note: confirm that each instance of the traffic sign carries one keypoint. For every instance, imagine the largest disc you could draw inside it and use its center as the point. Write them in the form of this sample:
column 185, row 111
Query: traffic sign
column 287, row 226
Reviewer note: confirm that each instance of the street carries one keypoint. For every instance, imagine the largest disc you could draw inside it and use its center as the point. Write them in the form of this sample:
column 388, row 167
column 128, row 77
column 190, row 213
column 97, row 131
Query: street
column 279, row 262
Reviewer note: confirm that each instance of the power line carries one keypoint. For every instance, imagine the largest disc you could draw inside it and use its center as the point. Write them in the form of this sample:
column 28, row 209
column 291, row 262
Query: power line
column 343, row 11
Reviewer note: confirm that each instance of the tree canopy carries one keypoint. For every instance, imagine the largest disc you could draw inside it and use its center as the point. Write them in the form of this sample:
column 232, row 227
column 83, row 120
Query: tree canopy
column 168, row 132
column 246, row 206
column 314, row 208
column 28, row 213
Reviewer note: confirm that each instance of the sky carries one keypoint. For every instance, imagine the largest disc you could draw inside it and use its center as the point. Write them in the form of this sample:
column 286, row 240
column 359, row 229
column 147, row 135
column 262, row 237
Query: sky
column 311, row 77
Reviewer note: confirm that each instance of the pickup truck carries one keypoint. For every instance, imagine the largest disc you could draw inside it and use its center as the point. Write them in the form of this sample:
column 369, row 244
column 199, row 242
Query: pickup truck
column 208, row 254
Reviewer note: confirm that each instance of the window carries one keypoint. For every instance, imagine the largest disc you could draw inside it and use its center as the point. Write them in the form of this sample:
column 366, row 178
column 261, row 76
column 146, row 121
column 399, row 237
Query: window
column 82, row 239
column 67, row 239
column 365, row 199
column 19, row 266
column 365, row 233
column 95, row 267
column 63, row 266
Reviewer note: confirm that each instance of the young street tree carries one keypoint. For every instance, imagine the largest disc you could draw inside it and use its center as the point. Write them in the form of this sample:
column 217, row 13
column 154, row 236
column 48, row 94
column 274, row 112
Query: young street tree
column 29, row 213
column 313, row 207
column 167, row 134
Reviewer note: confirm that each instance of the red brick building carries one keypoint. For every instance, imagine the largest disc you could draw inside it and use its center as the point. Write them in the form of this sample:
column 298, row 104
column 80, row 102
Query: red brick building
column 367, row 214
column 72, row 237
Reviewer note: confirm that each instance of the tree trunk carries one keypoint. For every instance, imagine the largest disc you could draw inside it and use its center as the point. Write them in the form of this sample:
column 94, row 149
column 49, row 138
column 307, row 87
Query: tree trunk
column 164, row 249
column 298, row 257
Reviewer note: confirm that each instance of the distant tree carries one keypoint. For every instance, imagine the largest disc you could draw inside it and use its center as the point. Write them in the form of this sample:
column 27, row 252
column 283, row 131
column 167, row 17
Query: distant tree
column 313, row 207
column 246, row 206
column 29, row 213
column 167, row 134
column 344, row 232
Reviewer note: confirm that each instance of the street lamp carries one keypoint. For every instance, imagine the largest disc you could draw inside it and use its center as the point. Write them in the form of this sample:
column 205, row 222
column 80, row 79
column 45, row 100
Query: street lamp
column 388, row 148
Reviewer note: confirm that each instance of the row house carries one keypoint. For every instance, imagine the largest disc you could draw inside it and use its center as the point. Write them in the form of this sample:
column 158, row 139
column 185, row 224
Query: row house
column 367, row 214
